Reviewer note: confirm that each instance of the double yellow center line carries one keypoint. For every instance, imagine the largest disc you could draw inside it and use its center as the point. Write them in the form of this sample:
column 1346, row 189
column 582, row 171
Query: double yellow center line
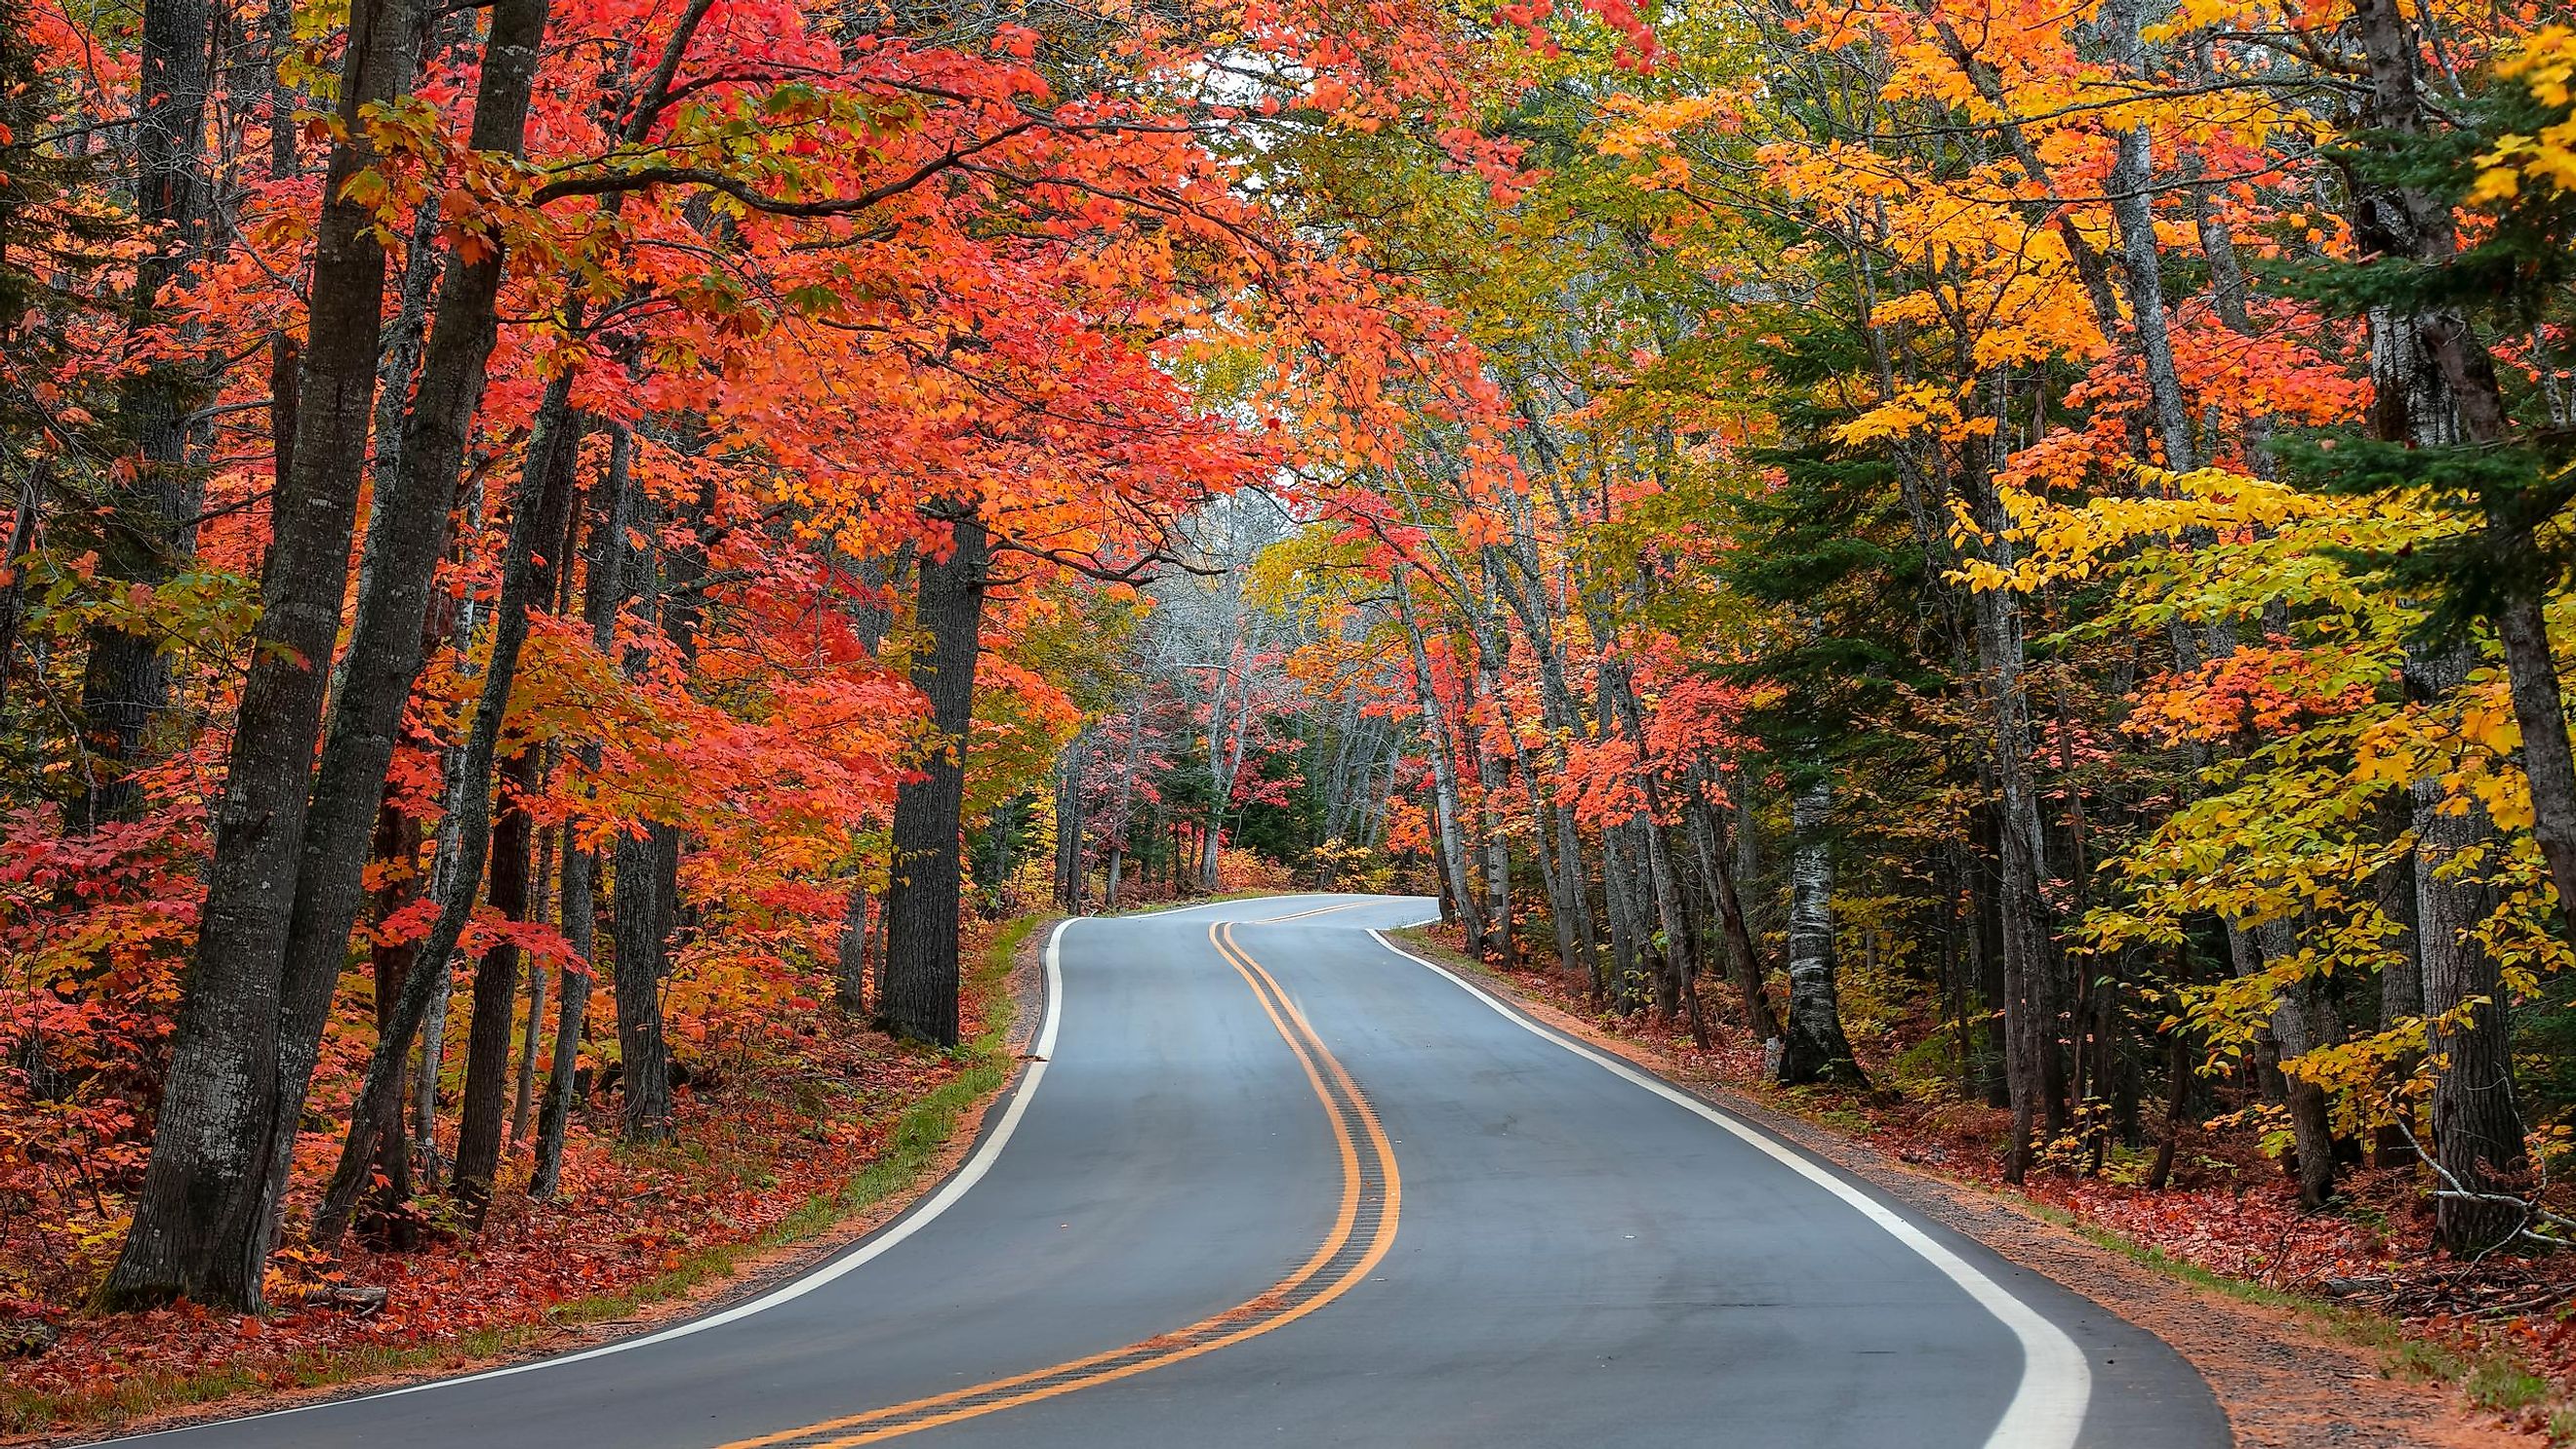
column 1363, row 1230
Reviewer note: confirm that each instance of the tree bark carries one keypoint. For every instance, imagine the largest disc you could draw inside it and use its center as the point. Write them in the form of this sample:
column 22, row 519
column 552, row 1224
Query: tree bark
column 2304, row 1019
column 523, row 1089
column 397, row 854
column 144, row 533
column 1743, row 962
column 2477, row 1123
column 537, row 515
column 604, row 592
column 918, row 996
column 405, row 537
column 202, row 1221
column 1451, row 841
column 1813, row 1047
column 647, row 912
column 850, row 982
column 2419, row 224
column 2029, row 1004
column 496, row 997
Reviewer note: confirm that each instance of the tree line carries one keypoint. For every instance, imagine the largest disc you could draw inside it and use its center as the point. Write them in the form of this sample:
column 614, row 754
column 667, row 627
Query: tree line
column 546, row 536
column 2053, row 522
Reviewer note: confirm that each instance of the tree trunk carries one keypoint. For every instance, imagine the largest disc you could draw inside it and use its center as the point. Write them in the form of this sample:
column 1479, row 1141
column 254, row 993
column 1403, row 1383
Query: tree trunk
column 1451, row 842
column 1743, row 962
column 496, row 974
column 405, row 537
column 2477, row 1124
column 144, row 530
column 2532, row 671
column 579, row 918
column 850, row 981
column 918, row 996
column 647, row 912
column 1492, row 778
column 2419, row 224
column 1814, row 1049
column 496, row 999
column 536, row 515
column 1627, row 930
column 202, row 1221
column 523, row 1088
column 2303, row 1020
column 2132, row 208
column 397, row 854
column 2401, row 980
column 604, row 592
column 2030, row 1006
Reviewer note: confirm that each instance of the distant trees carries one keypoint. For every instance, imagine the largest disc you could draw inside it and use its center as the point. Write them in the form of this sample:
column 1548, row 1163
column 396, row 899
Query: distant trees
column 599, row 502
column 1973, row 512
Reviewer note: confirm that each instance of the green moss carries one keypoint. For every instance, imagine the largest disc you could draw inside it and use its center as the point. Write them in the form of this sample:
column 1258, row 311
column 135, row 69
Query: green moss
column 2504, row 1385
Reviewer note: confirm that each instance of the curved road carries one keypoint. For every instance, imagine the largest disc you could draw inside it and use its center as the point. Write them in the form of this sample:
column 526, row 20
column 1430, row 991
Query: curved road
column 1274, row 1182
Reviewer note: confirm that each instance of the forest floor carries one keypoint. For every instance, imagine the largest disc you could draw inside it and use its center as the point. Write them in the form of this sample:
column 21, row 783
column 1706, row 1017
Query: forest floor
column 792, row 1154
column 2419, row 1349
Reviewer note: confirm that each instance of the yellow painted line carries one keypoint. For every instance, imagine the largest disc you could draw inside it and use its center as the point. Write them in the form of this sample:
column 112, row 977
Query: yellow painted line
column 1270, row 1310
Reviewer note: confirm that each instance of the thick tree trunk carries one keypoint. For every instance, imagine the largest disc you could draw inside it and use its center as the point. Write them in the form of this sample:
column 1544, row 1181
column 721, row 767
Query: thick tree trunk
column 396, row 851
column 496, row 998
column 405, row 537
column 144, row 534
column 647, row 913
column 2477, row 1122
column 203, row 1219
column 2419, row 224
column 579, row 920
column 2531, row 668
column 537, row 516
column 918, row 997
column 1813, row 1048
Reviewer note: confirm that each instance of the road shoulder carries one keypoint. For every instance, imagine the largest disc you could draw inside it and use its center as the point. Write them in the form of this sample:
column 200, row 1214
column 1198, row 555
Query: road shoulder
column 2283, row 1381
column 929, row 1143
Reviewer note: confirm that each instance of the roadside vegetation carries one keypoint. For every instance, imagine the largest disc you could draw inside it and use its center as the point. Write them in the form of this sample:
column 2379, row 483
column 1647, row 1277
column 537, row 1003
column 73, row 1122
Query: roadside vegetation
column 1999, row 564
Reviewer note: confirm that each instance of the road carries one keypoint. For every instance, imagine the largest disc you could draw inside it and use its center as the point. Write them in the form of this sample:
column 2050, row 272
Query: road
column 1273, row 1182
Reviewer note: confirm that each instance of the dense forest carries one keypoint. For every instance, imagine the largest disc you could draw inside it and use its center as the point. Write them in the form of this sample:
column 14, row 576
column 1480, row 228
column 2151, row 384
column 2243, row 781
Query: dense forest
column 559, row 552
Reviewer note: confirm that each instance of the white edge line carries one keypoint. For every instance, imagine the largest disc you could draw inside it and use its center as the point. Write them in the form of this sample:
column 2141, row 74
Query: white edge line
column 914, row 1221
column 2047, row 1410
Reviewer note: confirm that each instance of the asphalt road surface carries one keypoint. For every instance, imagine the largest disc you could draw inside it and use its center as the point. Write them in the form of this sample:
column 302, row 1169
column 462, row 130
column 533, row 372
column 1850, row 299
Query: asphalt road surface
column 1274, row 1182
